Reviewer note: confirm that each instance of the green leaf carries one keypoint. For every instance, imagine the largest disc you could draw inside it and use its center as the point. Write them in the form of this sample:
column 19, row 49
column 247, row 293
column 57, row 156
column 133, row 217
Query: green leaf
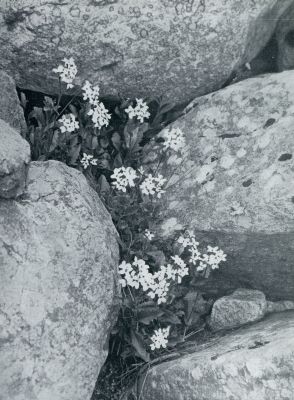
column 139, row 345
column 74, row 154
column 55, row 140
column 116, row 141
column 23, row 100
column 149, row 314
column 171, row 318
column 104, row 186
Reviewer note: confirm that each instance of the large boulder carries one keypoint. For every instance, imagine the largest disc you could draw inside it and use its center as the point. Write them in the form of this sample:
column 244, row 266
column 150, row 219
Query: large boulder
column 14, row 159
column 135, row 47
column 235, row 187
column 10, row 109
column 254, row 363
column 58, row 286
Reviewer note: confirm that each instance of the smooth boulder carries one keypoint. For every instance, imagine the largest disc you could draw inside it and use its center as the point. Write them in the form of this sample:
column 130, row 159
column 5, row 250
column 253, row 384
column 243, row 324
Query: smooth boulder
column 252, row 363
column 235, row 186
column 15, row 156
column 58, row 288
column 136, row 48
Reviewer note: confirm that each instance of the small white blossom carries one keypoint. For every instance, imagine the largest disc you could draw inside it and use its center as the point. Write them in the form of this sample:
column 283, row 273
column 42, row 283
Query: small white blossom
column 69, row 123
column 159, row 338
column 91, row 93
column 153, row 185
column 100, row 115
column 67, row 72
column 87, row 160
column 182, row 269
column 148, row 234
column 140, row 111
column 123, row 177
column 174, row 139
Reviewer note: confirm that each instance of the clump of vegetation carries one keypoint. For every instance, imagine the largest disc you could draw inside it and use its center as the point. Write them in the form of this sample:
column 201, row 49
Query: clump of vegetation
column 125, row 154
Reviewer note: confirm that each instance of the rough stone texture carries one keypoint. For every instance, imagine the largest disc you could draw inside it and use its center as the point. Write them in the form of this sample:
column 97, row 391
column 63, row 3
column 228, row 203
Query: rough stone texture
column 239, row 308
column 10, row 109
column 14, row 159
column 181, row 48
column 58, row 287
column 285, row 40
column 254, row 363
column 279, row 306
column 236, row 185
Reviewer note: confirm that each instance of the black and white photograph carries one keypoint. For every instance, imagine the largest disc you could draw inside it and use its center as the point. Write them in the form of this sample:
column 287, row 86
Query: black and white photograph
column 146, row 199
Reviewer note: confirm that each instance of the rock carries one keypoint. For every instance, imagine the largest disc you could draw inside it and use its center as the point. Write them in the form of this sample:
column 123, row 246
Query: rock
column 10, row 109
column 137, row 48
column 14, row 159
column 239, row 308
column 256, row 362
column 279, row 306
column 285, row 40
column 235, row 188
column 58, row 287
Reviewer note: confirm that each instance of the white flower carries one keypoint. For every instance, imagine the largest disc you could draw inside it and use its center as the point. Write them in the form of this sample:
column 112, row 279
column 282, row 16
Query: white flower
column 91, row 93
column 153, row 185
column 87, row 160
column 123, row 177
column 69, row 123
column 174, row 139
column 140, row 111
column 148, row 234
column 159, row 338
column 100, row 115
column 67, row 72
column 213, row 258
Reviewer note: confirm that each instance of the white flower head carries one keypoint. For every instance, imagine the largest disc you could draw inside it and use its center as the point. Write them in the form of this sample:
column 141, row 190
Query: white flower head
column 140, row 111
column 68, row 123
column 213, row 257
column 100, row 115
column 174, row 139
column 159, row 338
column 67, row 72
column 153, row 185
column 123, row 177
column 87, row 160
column 91, row 93
column 148, row 234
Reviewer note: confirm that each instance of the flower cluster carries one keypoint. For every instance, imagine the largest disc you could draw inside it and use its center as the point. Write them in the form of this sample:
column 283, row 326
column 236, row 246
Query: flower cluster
column 100, row 115
column 140, row 111
column 153, row 185
column 67, row 72
column 174, row 139
column 137, row 275
column 87, row 160
column 159, row 338
column 123, row 177
column 68, row 123
column 213, row 257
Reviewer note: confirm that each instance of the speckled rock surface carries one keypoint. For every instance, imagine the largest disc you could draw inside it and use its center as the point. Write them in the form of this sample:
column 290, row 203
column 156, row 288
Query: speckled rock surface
column 255, row 362
column 10, row 109
column 180, row 48
column 239, row 308
column 58, row 287
column 14, row 158
column 285, row 40
column 236, row 185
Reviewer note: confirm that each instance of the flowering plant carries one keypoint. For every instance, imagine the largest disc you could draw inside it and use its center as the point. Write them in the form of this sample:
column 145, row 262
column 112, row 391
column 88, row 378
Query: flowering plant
column 111, row 144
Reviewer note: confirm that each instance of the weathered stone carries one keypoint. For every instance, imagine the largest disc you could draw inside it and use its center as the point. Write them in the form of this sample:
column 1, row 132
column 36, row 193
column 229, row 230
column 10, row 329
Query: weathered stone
column 239, row 308
column 235, row 187
column 10, row 109
column 14, row 159
column 58, row 286
column 179, row 48
column 285, row 40
column 255, row 362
